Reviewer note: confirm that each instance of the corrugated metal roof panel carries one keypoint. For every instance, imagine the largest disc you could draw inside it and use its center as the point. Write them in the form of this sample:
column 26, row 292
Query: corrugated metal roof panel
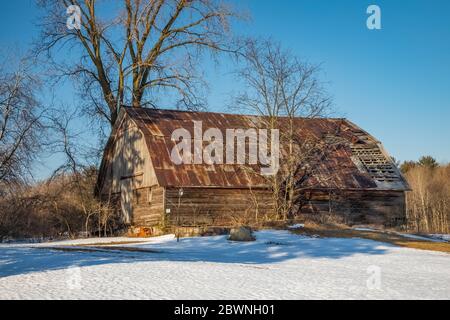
column 335, row 170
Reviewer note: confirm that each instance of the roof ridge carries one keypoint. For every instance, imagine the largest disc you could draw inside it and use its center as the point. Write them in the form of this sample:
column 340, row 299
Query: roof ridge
column 227, row 114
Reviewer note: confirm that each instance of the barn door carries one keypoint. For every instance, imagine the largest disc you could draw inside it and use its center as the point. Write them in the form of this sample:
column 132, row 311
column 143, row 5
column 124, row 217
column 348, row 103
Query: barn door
column 126, row 199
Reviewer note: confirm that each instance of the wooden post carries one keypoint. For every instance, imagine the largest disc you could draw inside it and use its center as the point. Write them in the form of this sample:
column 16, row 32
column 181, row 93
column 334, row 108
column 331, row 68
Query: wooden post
column 180, row 194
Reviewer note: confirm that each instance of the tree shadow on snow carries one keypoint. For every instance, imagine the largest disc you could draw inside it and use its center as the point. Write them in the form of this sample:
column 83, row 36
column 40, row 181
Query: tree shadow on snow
column 270, row 247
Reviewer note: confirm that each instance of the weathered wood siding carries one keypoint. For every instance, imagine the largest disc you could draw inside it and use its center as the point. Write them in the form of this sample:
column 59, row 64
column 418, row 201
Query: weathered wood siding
column 130, row 177
column 371, row 207
column 224, row 207
column 130, row 158
column 217, row 207
column 227, row 207
column 148, row 207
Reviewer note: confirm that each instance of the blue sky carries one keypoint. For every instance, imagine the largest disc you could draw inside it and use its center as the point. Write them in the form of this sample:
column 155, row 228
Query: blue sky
column 394, row 82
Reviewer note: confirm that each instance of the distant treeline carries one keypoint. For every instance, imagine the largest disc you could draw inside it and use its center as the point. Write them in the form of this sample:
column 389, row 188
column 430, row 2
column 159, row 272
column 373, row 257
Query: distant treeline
column 428, row 204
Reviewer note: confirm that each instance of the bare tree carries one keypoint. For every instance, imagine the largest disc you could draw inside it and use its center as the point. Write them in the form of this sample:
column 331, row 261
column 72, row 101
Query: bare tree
column 127, row 51
column 277, row 84
column 428, row 204
column 78, row 169
column 20, row 121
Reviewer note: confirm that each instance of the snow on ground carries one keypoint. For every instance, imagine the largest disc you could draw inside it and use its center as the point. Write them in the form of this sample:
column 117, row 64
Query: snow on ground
column 297, row 226
column 445, row 237
column 366, row 229
column 279, row 265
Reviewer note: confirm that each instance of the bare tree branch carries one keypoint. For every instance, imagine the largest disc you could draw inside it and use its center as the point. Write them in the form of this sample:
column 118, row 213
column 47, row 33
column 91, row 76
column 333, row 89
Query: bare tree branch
column 20, row 121
column 277, row 84
column 119, row 56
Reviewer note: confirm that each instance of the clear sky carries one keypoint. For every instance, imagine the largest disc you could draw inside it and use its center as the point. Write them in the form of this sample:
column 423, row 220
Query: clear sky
column 394, row 82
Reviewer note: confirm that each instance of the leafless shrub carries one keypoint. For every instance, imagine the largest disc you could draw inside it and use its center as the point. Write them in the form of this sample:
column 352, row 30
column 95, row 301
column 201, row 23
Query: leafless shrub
column 57, row 208
column 78, row 171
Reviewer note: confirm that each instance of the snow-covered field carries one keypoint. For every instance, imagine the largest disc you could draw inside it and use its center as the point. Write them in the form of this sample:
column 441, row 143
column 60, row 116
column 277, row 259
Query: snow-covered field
column 279, row 265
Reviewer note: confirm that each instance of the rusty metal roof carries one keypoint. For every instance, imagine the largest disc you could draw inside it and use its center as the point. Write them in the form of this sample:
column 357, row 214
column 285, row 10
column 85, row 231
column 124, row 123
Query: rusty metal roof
column 340, row 168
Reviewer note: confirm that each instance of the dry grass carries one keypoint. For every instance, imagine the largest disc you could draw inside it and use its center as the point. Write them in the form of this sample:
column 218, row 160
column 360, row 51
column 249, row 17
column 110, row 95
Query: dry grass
column 337, row 231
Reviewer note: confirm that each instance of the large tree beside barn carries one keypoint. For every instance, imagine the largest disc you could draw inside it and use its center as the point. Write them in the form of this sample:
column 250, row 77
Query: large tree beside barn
column 131, row 52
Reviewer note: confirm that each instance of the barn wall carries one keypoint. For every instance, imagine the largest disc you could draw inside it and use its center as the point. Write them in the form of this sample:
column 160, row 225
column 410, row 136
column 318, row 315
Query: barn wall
column 228, row 207
column 148, row 207
column 130, row 157
column 224, row 207
column 217, row 207
column 371, row 207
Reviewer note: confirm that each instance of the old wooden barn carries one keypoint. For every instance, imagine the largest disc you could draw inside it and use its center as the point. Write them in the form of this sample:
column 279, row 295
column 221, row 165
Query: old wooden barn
column 357, row 180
